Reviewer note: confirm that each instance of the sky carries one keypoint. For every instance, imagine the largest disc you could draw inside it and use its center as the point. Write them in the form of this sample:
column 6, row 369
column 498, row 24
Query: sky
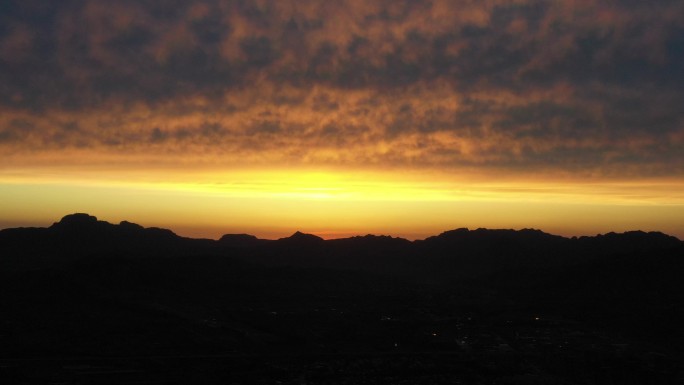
column 346, row 117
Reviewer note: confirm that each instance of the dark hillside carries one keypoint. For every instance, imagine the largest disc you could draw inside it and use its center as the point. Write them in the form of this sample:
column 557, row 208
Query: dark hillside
column 86, row 301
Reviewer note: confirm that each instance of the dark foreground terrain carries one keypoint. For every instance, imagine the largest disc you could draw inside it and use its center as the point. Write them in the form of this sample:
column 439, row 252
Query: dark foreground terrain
column 88, row 302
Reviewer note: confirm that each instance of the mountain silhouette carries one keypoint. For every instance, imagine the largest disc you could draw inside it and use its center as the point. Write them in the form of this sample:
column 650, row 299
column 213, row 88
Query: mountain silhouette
column 240, row 241
column 461, row 251
column 84, row 298
column 81, row 235
column 301, row 239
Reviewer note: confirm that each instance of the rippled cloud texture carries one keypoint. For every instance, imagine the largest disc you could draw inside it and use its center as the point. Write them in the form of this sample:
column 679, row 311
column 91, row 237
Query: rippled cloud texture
column 583, row 88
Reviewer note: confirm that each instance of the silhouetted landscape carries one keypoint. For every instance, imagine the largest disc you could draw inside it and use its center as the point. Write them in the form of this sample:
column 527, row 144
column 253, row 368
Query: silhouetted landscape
column 88, row 302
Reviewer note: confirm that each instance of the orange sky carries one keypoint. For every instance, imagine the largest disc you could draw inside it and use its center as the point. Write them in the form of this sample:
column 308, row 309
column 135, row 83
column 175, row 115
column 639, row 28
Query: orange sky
column 339, row 118
column 273, row 204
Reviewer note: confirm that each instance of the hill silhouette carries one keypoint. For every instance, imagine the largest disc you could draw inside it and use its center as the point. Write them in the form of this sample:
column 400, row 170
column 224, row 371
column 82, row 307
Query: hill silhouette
column 80, row 235
column 509, row 298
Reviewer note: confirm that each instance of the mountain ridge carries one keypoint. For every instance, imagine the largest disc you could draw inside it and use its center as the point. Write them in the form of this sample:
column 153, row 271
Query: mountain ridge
column 88, row 225
column 88, row 288
column 458, row 252
column 83, row 220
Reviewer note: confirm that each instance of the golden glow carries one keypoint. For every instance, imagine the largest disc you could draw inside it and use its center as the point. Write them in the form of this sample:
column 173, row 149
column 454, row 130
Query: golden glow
column 333, row 204
column 343, row 117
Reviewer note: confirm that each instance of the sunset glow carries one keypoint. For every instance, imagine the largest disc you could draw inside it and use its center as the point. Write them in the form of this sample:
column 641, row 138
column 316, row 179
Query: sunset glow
column 404, row 118
column 335, row 204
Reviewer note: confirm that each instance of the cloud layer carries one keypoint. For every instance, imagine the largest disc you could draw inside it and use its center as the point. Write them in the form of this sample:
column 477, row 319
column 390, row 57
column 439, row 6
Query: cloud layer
column 579, row 87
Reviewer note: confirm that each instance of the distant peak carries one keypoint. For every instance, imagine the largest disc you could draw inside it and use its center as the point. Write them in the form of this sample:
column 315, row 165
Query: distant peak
column 239, row 239
column 238, row 236
column 299, row 236
column 459, row 231
column 77, row 219
column 130, row 226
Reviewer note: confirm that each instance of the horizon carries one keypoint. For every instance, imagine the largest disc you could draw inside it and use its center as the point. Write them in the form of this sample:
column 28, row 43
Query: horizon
column 328, row 236
column 394, row 117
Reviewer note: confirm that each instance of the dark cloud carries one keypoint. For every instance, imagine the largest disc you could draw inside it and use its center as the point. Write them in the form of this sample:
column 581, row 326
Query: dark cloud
column 264, row 127
column 546, row 119
column 324, row 102
column 519, row 84
column 151, row 41
column 259, row 51
column 158, row 135
column 7, row 136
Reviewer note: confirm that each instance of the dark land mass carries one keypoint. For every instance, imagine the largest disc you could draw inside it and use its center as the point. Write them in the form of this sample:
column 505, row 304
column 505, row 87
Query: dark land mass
column 89, row 302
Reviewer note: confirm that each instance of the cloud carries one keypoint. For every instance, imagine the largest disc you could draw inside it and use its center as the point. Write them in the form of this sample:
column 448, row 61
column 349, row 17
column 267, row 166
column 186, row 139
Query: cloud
column 527, row 86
